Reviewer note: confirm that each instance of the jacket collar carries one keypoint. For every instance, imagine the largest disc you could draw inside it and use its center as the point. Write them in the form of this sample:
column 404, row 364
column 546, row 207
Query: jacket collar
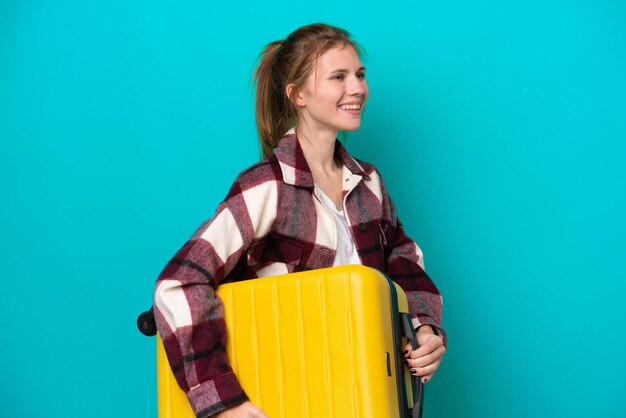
column 296, row 170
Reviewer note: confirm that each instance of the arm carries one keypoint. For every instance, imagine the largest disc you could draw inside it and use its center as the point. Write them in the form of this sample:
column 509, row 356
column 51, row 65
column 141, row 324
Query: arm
column 404, row 263
column 189, row 314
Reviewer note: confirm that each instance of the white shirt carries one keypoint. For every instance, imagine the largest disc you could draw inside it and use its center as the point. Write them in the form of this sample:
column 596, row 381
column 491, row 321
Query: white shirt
column 346, row 250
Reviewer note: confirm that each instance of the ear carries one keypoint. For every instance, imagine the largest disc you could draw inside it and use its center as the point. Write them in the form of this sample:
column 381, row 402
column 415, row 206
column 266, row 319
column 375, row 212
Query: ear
column 297, row 99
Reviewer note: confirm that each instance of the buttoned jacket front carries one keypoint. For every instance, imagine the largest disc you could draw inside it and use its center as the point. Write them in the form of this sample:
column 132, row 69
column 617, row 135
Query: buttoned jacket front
column 273, row 222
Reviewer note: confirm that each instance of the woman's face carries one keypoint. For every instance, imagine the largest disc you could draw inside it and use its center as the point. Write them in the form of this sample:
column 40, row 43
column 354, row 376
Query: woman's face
column 335, row 92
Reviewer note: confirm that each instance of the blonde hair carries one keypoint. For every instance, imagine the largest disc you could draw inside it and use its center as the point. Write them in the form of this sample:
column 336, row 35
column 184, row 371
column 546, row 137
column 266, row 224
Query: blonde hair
column 290, row 61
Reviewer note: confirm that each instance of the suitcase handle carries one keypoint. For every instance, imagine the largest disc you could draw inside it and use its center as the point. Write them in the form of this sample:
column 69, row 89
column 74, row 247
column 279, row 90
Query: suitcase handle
column 416, row 383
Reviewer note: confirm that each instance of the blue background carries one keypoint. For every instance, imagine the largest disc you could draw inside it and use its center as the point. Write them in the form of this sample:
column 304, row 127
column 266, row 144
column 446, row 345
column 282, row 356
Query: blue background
column 499, row 128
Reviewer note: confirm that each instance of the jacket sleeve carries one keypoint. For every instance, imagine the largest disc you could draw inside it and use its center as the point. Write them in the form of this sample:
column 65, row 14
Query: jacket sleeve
column 404, row 263
column 189, row 314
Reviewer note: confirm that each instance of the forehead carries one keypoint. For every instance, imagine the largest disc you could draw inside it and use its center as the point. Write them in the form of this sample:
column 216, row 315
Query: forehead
column 339, row 58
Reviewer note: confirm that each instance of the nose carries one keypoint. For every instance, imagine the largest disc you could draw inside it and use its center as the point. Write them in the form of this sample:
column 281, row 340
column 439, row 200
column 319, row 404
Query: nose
column 356, row 86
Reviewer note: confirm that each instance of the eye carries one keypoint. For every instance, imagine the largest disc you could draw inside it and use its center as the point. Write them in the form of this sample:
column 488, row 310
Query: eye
column 361, row 76
column 338, row 77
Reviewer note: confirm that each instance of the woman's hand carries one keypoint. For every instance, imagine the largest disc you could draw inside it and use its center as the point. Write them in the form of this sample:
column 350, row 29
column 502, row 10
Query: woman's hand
column 245, row 410
column 426, row 359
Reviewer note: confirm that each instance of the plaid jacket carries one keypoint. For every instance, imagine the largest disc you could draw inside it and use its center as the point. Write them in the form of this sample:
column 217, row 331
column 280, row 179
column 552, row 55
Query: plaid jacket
column 272, row 222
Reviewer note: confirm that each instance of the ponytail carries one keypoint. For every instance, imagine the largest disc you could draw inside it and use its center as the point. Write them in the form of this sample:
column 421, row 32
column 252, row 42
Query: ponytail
column 270, row 101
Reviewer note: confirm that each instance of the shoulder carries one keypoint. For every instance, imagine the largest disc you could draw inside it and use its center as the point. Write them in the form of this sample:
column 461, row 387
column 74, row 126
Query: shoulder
column 261, row 175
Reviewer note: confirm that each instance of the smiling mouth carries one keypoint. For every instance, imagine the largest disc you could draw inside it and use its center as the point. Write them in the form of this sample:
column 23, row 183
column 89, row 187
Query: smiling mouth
column 350, row 107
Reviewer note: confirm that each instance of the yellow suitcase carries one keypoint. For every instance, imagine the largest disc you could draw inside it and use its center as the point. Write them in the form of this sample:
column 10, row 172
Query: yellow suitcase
column 321, row 344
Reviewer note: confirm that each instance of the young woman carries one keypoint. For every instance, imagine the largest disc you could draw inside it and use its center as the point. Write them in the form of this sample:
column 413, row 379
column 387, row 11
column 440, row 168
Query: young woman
column 307, row 205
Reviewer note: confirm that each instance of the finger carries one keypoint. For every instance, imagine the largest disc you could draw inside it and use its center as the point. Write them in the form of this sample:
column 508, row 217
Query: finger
column 428, row 346
column 426, row 378
column 426, row 370
column 407, row 350
column 428, row 358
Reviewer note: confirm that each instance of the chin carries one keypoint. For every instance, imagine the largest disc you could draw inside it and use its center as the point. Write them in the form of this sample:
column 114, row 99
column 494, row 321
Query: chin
column 350, row 126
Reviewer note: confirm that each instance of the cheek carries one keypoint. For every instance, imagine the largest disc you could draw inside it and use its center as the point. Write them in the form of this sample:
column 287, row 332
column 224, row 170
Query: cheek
column 330, row 101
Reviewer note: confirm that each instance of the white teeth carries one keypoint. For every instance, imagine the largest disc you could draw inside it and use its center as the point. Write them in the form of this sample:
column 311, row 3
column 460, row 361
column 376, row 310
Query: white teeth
column 350, row 107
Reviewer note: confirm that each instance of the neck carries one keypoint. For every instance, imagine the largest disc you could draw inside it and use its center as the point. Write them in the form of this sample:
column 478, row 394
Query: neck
column 318, row 147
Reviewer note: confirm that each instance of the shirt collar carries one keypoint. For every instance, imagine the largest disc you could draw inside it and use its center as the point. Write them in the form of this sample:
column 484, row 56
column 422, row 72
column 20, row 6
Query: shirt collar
column 296, row 170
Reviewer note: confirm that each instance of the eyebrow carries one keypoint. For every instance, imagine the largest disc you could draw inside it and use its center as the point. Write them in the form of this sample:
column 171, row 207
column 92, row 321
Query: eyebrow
column 343, row 70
